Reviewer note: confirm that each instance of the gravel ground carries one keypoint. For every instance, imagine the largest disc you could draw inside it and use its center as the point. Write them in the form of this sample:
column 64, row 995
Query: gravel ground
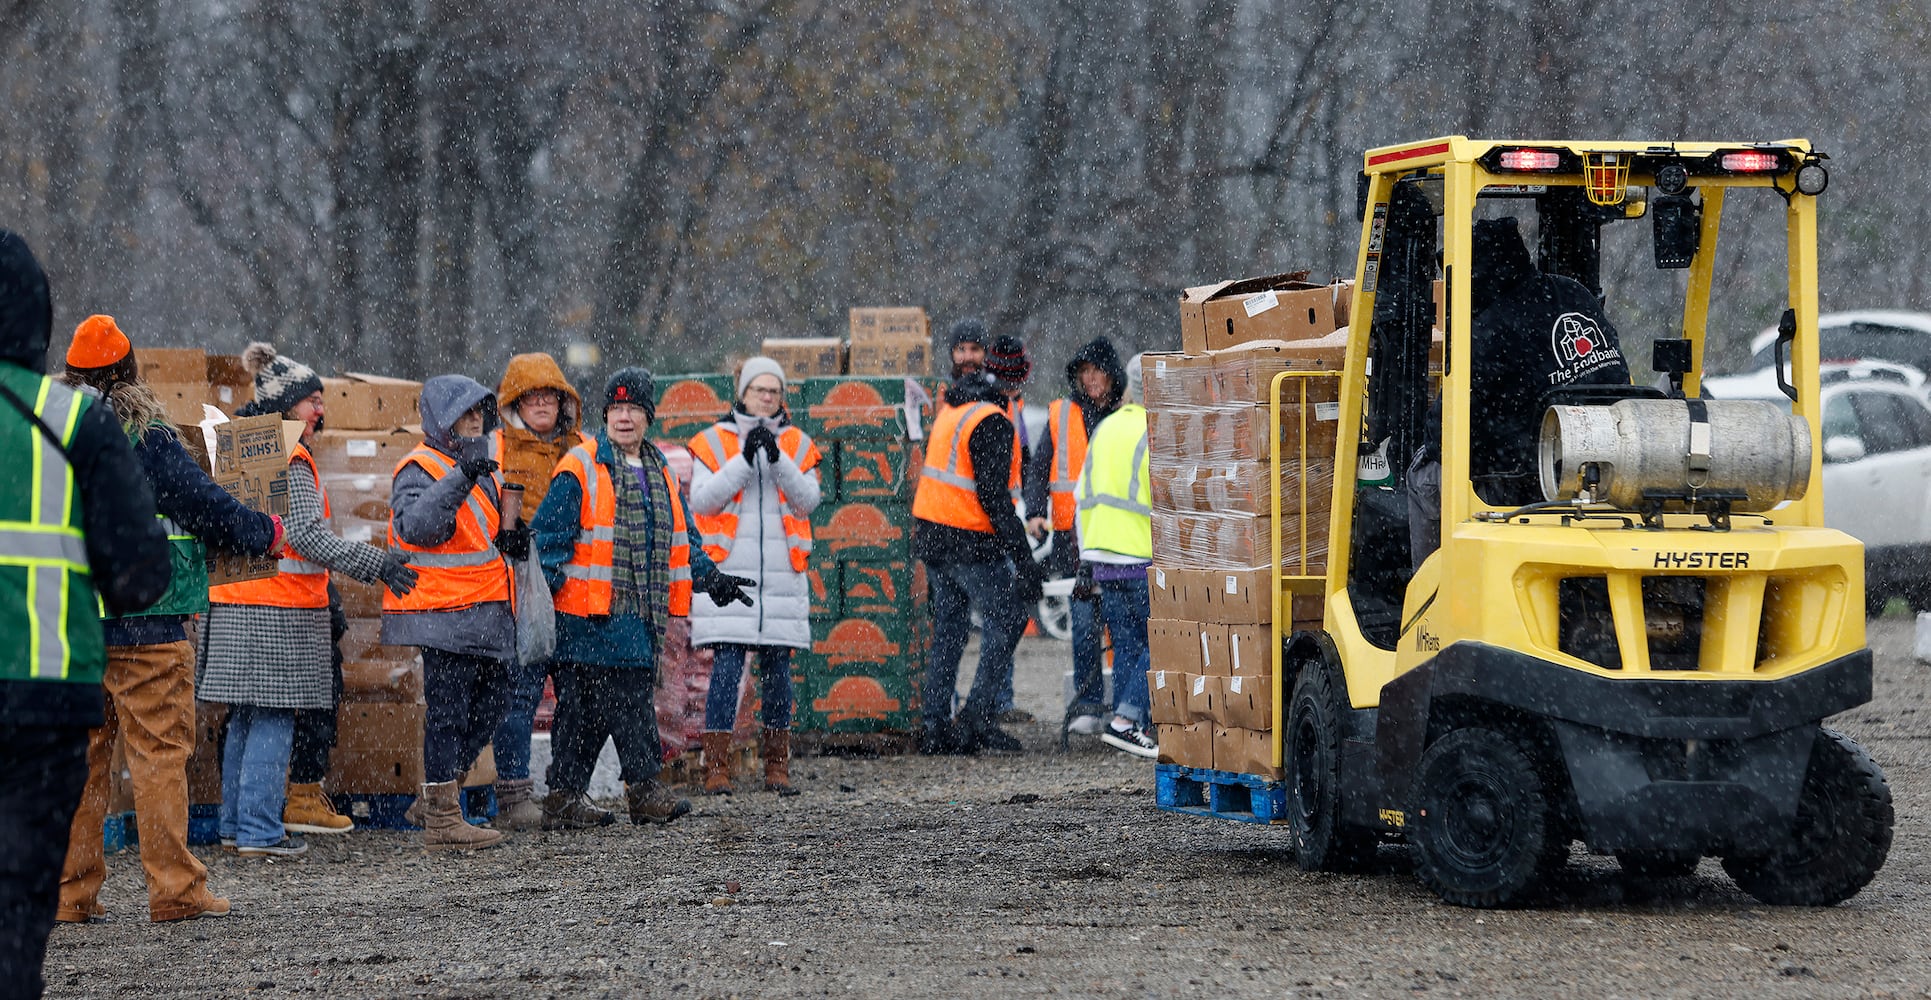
column 1046, row 873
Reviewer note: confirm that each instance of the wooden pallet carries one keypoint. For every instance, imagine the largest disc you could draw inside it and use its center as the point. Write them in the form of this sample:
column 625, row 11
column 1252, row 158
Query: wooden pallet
column 853, row 744
column 1200, row 791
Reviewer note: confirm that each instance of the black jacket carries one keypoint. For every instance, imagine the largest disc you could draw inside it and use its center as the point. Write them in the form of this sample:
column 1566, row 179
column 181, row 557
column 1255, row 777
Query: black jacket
column 990, row 448
column 1531, row 333
column 1101, row 353
column 127, row 551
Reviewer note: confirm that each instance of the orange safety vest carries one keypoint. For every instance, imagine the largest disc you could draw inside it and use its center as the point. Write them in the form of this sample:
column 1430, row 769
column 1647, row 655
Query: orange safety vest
column 714, row 447
column 948, row 492
column 587, row 576
column 462, row 572
column 299, row 583
column 1068, row 428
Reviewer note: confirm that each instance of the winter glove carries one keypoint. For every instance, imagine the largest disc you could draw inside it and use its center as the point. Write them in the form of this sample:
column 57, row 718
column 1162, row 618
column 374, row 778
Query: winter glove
column 1084, row 589
column 396, row 574
column 761, row 439
column 514, row 542
column 724, row 588
column 477, row 468
column 770, row 444
column 1030, row 583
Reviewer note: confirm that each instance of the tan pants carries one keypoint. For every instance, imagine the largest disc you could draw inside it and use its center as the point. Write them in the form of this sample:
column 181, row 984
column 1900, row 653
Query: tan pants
column 150, row 703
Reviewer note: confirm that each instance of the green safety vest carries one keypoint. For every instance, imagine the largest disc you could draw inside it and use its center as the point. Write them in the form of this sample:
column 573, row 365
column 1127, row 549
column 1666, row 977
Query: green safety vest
column 1115, row 493
column 49, row 613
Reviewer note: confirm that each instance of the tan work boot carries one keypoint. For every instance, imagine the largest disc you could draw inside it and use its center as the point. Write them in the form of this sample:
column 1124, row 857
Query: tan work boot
column 574, row 811
column 413, row 814
column 777, row 762
column 443, row 826
column 309, row 811
column 515, row 809
column 717, row 763
column 651, row 802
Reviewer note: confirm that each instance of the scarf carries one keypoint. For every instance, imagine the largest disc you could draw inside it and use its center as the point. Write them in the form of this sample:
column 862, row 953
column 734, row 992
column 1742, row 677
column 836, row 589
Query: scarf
column 642, row 537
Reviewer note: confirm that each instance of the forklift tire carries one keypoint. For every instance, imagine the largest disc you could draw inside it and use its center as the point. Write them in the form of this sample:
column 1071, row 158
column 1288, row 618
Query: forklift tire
column 1481, row 823
column 1322, row 841
column 1658, row 864
column 1841, row 837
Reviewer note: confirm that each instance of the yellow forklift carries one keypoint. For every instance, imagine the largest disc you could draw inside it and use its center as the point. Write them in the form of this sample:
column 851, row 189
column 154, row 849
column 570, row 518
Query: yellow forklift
column 1594, row 608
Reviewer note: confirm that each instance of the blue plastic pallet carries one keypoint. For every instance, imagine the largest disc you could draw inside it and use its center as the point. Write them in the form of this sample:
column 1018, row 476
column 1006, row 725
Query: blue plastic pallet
column 1201, row 791
column 204, row 824
column 384, row 812
column 118, row 833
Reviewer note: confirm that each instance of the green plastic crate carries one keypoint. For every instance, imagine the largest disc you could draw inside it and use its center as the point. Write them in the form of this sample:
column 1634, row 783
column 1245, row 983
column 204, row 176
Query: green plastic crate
column 862, row 530
column 877, row 469
column 839, row 408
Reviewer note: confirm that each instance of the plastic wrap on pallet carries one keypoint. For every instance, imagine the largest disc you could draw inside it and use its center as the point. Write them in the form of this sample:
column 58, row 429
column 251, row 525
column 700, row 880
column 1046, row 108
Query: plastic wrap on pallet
column 1191, row 540
column 1229, row 433
column 1238, row 485
column 1176, row 380
column 1245, row 374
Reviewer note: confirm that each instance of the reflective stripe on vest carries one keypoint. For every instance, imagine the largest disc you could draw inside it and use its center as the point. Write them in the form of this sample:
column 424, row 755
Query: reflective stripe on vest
column 1068, row 429
column 297, row 583
column 463, row 571
column 589, row 575
column 714, row 447
column 948, row 490
column 45, row 552
column 1113, row 519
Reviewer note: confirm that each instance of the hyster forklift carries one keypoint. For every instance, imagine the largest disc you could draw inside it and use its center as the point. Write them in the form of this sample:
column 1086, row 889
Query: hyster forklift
column 1638, row 656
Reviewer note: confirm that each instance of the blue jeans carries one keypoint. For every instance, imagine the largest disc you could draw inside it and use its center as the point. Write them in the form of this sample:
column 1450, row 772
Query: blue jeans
column 1089, row 681
column 1124, row 605
column 957, row 588
column 254, row 774
column 727, row 669
column 512, row 740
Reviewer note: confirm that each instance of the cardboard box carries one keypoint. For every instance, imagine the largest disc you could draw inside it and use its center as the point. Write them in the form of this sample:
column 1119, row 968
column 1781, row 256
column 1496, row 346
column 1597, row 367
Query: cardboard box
column 862, row 530
column 1245, row 702
column 1191, row 745
column 802, row 357
column 891, row 357
column 181, row 401
column 878, row 323
column 378, row 749
column 1274, row 307
column 1169, row 379
column 1245, row 374
column 1241, row 485
column 872, row 469
column 1168, row 593
column 182, row 365
column 1213, row 650
column 396, row 681
column 1245, row 751
column 1238, row 597
column 1250, row 651
column 877, row 645
column 250, row 461
column 1202, row 695
column 363, row 641
column 359, row 600
column 1343, row 290
column 1240, row 432
column 1173, row 644
column 204, row 765
column 229, row 384
column 359, row 401
column 1166, row 697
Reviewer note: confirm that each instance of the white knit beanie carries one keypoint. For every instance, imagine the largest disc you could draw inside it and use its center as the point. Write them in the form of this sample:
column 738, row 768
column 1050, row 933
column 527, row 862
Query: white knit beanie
column 754, row 367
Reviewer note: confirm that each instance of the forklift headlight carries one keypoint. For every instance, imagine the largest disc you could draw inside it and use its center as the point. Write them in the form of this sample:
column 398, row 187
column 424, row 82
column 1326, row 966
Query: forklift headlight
column 1812, row 178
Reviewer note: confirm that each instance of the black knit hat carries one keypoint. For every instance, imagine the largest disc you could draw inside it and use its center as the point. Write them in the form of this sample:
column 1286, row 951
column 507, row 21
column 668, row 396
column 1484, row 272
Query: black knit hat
column 1007, row 361
column 635, row 386
column 280, row 382
column 968, row 331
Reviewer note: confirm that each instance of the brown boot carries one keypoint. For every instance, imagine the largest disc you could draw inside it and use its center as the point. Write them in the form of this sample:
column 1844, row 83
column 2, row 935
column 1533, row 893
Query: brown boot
column 717, row 763
column 515, row 809
column 651, row 802
column 443, row 826
column 777, row 762
column 573, row 811
column 309, row 811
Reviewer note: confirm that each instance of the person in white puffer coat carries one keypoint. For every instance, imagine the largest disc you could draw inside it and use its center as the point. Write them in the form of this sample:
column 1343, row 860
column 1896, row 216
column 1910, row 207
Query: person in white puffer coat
column 753, row 488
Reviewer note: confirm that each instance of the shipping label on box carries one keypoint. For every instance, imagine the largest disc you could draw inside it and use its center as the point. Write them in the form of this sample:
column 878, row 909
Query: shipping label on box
column 1166, row 697
column 803, row 357
column 1244, row 751
column 1275, row 307
column 1173, row 644
column 862, row 530
column 1202, row 693
column 1246, row 702
column 1191, row 745
column 229, row 383
column 1213, row 650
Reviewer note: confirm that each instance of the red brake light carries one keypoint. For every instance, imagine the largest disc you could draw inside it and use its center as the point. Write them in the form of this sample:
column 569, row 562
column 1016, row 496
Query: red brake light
column 1751, row 163
column 1530, row 159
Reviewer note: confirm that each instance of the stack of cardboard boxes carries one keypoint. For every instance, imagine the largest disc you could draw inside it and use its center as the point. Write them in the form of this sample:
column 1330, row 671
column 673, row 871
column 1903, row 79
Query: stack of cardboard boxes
column 1210, row 445
column 890, row 340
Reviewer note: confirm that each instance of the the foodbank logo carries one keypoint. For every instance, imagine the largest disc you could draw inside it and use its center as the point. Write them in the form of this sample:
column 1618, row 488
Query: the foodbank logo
column 1579, row 346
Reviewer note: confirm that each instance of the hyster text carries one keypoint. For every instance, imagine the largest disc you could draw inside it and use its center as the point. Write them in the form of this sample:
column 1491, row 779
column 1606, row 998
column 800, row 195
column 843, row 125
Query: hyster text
column 1702, row 560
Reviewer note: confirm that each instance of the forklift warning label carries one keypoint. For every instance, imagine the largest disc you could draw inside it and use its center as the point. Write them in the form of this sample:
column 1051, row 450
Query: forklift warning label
column 1702, row 560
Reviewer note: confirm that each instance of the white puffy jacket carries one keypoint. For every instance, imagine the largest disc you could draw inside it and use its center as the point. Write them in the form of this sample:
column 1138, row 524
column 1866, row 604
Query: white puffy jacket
column 780, row 614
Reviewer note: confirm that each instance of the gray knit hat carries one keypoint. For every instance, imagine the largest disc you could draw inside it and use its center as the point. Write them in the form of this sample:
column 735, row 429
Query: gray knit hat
column 760, row 365
column 280, row 382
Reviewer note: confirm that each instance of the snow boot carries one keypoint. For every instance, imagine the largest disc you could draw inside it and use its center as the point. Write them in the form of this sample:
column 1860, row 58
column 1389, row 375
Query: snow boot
column 443, row 826
column 515, row 809
column 307, row 810
column 573, row 811
column 777, row 762
column 651, row 802
column 717, row 763
column 413, row 814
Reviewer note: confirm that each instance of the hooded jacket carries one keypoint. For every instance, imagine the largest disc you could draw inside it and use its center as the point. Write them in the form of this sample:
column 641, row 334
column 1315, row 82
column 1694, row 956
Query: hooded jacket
column 1100, row 353
column 127, row 551
column 780, row 614
column 990, row 446
column 1530, row 333
column 527, row 457
column 423, row 512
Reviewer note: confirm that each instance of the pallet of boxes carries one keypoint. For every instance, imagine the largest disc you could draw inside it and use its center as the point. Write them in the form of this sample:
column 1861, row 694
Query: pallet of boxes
column 376, row 769
column 1210, row 445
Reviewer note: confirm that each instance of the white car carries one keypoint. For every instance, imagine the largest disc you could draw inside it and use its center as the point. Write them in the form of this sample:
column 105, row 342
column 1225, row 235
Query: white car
column 1890, row 334
column 1877, row 468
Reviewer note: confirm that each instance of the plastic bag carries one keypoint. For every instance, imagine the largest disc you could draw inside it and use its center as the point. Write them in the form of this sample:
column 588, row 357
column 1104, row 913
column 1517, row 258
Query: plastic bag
column 536, row 618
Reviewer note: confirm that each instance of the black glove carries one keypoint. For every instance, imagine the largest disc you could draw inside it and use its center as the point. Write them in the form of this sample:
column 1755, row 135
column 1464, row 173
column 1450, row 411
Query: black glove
column 1030, row 583
column 397, row 575
column 761, row 439
column 477, row 468
column 514, row 542
column 724, row 588
column 1084, row 589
